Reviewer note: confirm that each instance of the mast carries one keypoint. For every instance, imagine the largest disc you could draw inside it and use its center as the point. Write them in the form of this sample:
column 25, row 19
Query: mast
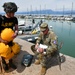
column 63, row 10
column 72, row 9
column 40, row 10
column 45, row 10
column 31, row 10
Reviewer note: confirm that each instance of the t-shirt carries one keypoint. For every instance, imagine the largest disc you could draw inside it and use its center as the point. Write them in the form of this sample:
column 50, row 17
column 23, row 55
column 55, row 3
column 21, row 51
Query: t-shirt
column 7, row 22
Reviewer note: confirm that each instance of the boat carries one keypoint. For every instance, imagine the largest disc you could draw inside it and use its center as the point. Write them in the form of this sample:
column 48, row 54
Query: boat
column 24, row 25
column 36, row 28
column 29, row 38
column 51, row 28
column 32, row 35
column 70, row 18
column 33, row 28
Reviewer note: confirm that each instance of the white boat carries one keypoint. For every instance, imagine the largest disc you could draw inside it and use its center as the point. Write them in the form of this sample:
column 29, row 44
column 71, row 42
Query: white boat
column 21, row 22
column 24, row 25
column 51, row 28
column 68, row 18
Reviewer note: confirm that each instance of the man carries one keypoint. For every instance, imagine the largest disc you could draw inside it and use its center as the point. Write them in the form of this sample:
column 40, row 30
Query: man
column 9, row 21
column 48, row 39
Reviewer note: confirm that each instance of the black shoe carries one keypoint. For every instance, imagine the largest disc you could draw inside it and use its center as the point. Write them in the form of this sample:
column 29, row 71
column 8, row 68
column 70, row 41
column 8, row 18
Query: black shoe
column 12, row 65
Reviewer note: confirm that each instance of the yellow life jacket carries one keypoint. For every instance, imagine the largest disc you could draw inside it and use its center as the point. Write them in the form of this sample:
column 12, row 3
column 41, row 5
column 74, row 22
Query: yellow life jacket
column 5, row 51
column 15, row 48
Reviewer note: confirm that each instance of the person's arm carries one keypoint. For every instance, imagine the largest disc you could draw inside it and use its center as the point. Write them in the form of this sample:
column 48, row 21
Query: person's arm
column 16, row 25
column 0, row 27
column 38, row 40
column 0, row 39
column 54, row 44
column 16, row 32
column 16, row 28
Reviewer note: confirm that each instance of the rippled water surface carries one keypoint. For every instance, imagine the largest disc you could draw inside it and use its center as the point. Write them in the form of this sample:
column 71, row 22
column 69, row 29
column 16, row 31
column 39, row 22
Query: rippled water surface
column 65, row 31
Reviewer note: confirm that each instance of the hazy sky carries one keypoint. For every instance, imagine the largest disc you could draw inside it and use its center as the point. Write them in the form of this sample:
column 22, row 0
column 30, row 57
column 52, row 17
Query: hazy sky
column 29, row 5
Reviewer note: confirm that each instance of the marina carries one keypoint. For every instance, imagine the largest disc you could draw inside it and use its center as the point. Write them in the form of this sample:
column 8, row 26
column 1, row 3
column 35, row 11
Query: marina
column 65, row 31
column 48, row 16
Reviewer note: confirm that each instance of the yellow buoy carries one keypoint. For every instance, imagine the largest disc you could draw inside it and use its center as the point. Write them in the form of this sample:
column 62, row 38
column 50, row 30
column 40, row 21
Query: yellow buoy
column 34, row 31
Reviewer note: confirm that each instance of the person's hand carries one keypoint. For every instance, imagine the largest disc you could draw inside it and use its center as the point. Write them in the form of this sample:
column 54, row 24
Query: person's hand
column 40, row 50
column 36, row 46
column 14, row 35
column 3, row 41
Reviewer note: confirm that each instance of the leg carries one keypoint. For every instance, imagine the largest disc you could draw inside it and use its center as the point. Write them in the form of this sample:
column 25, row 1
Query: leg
column 37, row 61
column 1, row 66
column 5, row 65
column 11, row 64
column 44, row 68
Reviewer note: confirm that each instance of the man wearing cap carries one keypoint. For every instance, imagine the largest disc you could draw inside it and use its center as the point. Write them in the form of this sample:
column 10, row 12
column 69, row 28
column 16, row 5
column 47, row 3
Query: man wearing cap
column 49, row 39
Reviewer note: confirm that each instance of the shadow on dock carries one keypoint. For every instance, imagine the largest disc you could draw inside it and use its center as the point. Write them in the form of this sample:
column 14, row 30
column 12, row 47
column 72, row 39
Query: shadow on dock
column 53, row 61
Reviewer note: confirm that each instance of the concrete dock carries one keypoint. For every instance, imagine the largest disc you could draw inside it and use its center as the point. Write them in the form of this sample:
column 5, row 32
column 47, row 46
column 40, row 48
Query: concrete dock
column 67, row 65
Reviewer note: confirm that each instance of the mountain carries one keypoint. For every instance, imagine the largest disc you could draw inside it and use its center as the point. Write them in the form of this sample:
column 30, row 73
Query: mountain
column 37, row 12
column 48, row 11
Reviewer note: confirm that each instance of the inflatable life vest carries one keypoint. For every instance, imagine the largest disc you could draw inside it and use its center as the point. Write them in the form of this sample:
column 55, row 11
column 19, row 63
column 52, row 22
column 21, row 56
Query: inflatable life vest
column 15, row 48
column 8, row 52
column 5, row 51
column 6, row 34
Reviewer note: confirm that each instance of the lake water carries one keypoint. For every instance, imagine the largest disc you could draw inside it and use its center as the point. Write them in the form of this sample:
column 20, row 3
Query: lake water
column 65, row 31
